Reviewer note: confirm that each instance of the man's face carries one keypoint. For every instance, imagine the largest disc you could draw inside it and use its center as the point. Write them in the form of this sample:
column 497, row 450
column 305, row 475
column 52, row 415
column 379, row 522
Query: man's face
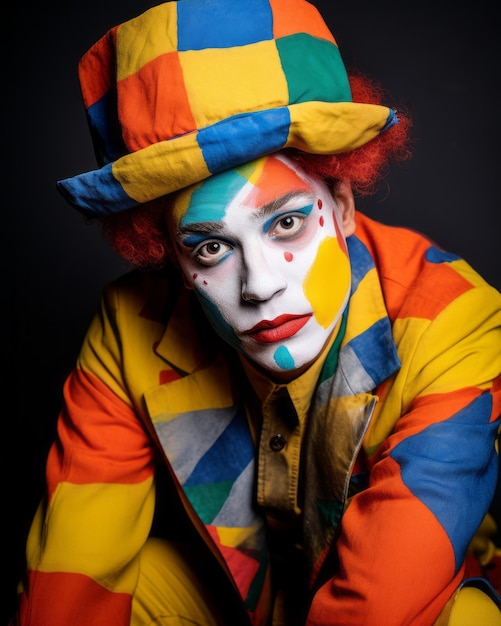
column 262, row 246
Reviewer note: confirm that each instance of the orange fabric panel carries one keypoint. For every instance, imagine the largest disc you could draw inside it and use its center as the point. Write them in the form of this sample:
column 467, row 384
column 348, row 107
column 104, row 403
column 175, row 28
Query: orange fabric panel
column 91, row 407
column 98, row 63
column 384, row 589
column 144, row 124
column 61, row 592
column 288, row 20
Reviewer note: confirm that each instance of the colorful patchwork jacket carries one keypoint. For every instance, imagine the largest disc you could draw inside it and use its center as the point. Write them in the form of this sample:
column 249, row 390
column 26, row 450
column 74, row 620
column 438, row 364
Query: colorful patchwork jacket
column 400, row 462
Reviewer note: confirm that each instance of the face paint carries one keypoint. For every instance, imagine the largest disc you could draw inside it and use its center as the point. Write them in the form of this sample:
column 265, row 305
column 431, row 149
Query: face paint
column 263, row 249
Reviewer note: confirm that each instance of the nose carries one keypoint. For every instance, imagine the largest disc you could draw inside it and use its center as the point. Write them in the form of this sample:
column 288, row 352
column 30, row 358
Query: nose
column 260, row 280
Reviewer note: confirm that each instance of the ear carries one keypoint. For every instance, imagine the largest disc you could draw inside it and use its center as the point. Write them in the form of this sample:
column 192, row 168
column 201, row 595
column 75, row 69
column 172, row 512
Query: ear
column 343, row 196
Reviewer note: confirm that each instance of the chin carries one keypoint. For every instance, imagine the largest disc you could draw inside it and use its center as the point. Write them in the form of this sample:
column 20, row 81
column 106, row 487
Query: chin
column 286, row 374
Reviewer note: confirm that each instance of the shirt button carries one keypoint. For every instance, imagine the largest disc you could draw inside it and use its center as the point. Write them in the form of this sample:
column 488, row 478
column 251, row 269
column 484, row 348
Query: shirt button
column 277, row 442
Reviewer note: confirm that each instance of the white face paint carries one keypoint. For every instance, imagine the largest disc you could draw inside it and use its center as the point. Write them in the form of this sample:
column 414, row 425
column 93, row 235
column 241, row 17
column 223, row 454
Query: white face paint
column 262, row 247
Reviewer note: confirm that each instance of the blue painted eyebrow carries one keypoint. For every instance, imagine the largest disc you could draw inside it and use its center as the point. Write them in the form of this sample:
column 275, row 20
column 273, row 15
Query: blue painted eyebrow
column 306, row 210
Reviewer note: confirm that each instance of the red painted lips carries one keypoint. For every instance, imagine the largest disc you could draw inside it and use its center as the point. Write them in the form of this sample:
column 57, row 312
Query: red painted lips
column 282, row 327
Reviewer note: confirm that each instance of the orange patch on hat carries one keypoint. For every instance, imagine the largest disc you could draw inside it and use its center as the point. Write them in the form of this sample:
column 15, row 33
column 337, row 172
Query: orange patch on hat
column 303, row 18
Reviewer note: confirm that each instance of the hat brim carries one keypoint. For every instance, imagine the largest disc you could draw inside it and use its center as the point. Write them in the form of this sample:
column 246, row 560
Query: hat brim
column 168, row 166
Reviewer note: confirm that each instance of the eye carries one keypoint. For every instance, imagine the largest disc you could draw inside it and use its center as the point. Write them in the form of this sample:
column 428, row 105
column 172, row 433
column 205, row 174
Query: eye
column 288, row 226
column 210, row 252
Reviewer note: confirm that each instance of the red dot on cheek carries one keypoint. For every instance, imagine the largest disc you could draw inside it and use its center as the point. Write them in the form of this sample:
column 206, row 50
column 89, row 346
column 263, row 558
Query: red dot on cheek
column 319, row 203
column 195, row 275
column 288, row 256
column 321, row 220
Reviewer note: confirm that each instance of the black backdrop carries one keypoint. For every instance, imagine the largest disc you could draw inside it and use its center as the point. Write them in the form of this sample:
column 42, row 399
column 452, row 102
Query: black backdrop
column 439, row 61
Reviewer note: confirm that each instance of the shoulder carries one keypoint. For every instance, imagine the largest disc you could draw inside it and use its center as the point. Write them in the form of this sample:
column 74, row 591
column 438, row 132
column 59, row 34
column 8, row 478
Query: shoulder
column 417, row 277
column 150, row 295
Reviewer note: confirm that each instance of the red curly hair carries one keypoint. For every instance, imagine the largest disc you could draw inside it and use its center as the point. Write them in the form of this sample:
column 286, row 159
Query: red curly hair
column 139, row 235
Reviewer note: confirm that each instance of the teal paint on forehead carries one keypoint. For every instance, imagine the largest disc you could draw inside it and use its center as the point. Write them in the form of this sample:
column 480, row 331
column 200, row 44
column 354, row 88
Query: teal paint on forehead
column 283, row 358
column 209, row 202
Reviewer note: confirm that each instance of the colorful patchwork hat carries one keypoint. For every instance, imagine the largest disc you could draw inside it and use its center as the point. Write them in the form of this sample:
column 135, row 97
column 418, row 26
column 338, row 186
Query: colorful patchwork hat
column 194, row 87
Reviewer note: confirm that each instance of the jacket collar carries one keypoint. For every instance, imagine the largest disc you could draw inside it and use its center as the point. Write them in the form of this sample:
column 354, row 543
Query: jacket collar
column 368, row 353
column 182, row 344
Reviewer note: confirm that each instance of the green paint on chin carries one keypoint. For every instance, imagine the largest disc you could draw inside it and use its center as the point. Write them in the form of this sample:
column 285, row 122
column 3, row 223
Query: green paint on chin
column 283, row 358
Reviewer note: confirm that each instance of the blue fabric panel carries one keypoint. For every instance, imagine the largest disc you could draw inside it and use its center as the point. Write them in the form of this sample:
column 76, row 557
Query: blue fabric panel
column 244, row 137
column 232, row 24
column 452, row 468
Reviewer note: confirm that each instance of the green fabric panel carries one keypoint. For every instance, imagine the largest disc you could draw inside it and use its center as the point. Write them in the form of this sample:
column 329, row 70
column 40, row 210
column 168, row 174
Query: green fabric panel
column 314, row 69
column 331, row 510
column 207, row 499
column 330, row 365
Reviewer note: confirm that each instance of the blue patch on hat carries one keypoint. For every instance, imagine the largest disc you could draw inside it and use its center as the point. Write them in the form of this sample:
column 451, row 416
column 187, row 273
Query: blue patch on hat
column 243, row 138
column 96, row 188
column 232, row 24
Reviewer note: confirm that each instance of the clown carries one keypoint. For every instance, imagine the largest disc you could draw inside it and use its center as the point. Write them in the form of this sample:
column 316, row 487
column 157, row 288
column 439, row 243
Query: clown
column 259, row 263
column 286, row 413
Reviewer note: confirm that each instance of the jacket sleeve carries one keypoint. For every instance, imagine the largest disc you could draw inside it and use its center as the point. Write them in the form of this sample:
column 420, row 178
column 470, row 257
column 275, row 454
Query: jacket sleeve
column 84, row 542
column 432, row 457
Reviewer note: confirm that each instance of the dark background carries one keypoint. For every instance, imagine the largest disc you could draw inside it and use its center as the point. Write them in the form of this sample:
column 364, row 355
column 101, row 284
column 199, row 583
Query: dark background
column 440, row 62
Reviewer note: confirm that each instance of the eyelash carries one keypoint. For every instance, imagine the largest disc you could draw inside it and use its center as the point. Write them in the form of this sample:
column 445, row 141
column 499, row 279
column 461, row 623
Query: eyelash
column 198, row 258
column 297, row 229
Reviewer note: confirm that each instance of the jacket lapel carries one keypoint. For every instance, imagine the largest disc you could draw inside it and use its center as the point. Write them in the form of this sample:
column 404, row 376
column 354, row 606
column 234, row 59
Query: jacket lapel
column 203, row 430
column 343, row 403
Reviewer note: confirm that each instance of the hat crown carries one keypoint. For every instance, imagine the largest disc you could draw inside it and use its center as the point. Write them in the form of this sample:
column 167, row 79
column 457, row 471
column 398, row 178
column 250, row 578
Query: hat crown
column 184, row 66
column 191, row 88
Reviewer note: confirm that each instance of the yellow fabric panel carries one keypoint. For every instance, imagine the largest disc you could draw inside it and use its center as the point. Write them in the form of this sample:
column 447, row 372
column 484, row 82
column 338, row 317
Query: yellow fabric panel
column 467, row 272
column 460, row 348
column 170, row 583
column 233, row 537
column 144, row 38
column 214, row 86
column 112, row 357
column 99, row 355
column 472, row 607
column 98, row 531
column 318, row 126
column 390, row 407
column 360, row 315
column 483, row 545
column 201, row 390
column 102, row 349
column 177, row 164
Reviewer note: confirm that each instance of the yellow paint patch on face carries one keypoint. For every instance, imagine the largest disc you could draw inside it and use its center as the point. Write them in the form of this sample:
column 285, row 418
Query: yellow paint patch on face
column 326, row 284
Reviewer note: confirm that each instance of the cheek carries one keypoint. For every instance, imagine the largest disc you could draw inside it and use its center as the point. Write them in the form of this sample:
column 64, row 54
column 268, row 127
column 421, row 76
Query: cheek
column 219, row 294
column 217, row 286
column 197, row 281
column 212, row 311
column 328, row 281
